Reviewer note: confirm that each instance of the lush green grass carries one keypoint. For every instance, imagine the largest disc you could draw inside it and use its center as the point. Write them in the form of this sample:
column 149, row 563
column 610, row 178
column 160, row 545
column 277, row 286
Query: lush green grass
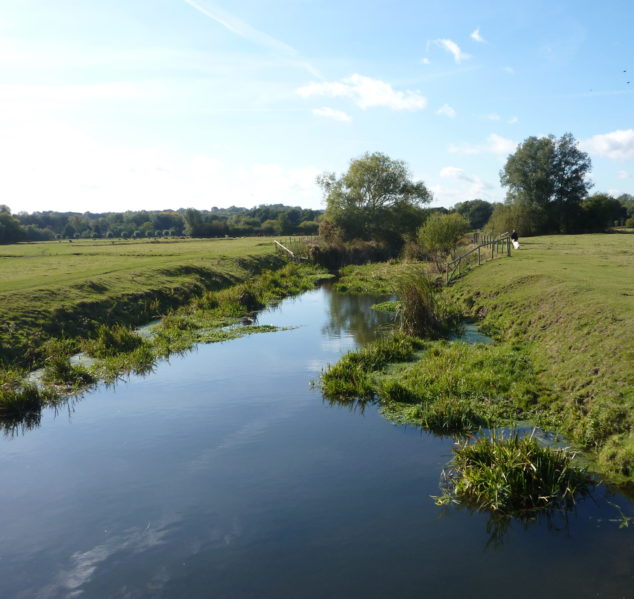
column 376, row 279
column 568, row 303
column 352, row 377
column 55, row 290
column 390, row 306
column 451, row 387
column 512, row 475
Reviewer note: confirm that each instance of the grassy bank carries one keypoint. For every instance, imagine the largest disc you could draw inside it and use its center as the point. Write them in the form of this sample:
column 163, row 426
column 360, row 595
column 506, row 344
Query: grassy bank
column 116, row 349
column 561, row 310
column 567, row 302
column 58, row 290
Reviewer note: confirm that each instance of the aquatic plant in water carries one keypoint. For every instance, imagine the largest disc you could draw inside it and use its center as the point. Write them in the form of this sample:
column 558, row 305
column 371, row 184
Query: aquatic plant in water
column 512, row 475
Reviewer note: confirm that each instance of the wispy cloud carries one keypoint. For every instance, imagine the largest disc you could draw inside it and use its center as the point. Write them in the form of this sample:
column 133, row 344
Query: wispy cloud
column 331, row 113
column 624, row 175
column 491, row 116
column 509, row 70
column 425, row 60
column 453, row 172
column 453, row 49
column 247, row 32
column 513, row 120
column 617, row 145
column 446, row 110
column 366, row 92
column 495, row 144
column 475, row 35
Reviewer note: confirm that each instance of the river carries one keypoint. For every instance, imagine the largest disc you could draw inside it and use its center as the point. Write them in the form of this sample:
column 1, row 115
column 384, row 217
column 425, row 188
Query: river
column 223, row 474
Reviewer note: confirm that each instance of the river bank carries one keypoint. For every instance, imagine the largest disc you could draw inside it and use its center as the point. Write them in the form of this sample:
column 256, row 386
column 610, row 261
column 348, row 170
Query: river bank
column 207, row 305
column 561, row 306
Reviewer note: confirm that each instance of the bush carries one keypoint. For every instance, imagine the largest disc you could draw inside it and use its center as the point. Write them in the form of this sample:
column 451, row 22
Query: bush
column 440, row 235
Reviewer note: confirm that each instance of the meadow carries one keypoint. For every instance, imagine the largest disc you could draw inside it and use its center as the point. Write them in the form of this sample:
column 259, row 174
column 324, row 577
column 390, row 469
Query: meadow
column 67, row 289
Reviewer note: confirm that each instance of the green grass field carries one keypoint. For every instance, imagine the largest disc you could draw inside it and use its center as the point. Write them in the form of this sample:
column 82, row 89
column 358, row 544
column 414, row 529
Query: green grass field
column 57, row 289
column 568, row 302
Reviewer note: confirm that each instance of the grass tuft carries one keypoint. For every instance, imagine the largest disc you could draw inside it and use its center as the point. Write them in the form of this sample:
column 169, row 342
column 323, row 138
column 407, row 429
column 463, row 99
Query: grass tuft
column 512, row 475
column 18, row 397
column 351, row 376
column 420, row 310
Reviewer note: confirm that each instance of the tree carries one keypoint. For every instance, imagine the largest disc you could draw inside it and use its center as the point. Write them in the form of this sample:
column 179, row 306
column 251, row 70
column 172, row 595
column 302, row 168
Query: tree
column 193, row 222
column 441, row 234
column 375, row 199
column 548, row 176
column 10, row 229
column 601, row 211
column 477, row 212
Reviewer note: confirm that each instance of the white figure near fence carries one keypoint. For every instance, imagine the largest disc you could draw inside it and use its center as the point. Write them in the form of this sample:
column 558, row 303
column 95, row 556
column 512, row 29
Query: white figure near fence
column 515, row 239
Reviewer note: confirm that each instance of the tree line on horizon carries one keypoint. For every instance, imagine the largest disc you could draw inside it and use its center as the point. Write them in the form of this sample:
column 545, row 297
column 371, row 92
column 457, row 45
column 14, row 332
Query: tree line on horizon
column 273, row 219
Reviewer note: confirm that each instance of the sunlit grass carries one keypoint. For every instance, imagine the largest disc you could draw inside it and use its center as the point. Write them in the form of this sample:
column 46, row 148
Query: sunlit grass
column 512, row 475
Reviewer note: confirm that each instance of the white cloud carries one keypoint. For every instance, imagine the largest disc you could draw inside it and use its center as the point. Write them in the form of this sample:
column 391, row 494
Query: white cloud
column 615, row 193
column 495, row 144
column 513, row 120
column 492, row 116
column 337, row 115
column 617, row 145
column 454, row 49
column 425, row 60
column 446, row 110
column 366, row 92
column 624, row 175
column 475, row 35
column 509, row 70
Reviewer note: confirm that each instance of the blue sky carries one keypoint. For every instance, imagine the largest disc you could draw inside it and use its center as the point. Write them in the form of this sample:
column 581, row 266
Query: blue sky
column 151, row 104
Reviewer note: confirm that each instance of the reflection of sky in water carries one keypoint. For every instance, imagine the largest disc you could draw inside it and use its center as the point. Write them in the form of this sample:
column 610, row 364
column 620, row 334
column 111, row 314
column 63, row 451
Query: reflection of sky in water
column 337, row 345
column 224, row 474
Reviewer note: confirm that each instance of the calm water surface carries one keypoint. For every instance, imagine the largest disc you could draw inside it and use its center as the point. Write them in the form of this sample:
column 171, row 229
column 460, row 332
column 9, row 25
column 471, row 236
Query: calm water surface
column 223, row 475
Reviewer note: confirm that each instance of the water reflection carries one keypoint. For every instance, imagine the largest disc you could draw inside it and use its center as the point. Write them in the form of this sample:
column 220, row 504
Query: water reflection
column 353, row 314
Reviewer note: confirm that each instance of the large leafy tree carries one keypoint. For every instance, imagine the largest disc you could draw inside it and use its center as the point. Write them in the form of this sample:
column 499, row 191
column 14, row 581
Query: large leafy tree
column 376, row 199
column 548, row 177
column 477, row 212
